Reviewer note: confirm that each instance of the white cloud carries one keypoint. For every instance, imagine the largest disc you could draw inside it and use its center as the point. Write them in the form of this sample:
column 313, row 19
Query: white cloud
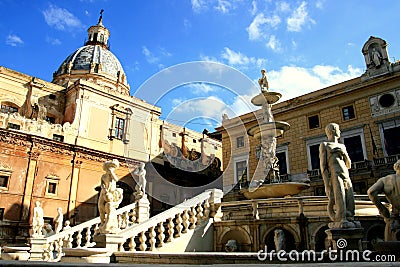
column 53, row 41
column 224, row 6
column 237, row 58
column 61, row 19
column 293, row 81
column 253, row 8
column 274, row 44
column 298, row 18
column 198, row 5
column 14, row 40
column 255, row 28
column 150, row 57
column 200, row 88
column 282, row 6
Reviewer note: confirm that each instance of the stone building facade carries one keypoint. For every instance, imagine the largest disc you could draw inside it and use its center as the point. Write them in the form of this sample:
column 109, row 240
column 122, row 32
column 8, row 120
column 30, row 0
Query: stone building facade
column 367, row 108
column 56, row 135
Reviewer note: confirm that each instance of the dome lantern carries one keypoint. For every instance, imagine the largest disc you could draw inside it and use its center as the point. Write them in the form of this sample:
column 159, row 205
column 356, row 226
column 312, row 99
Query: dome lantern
column 98, row 34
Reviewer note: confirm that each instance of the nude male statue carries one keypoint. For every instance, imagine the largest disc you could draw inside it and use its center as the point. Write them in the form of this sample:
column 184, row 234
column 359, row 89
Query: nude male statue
column 390, row 186
column 334, row 165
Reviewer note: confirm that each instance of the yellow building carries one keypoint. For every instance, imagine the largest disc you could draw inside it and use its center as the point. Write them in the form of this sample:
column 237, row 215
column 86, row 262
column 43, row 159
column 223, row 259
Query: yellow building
column 56, row 135
column 367, row 108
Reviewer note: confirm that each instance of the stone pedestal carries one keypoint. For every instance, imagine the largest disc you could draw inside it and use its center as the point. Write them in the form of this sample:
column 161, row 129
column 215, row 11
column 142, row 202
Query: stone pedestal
column 37, row 248
column 109, row 241
column 86, row 255
column 142, row 209
column 15, row 253
column 345, row 238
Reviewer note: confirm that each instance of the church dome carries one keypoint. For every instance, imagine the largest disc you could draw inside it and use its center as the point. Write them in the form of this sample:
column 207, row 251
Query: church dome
column 94, row 62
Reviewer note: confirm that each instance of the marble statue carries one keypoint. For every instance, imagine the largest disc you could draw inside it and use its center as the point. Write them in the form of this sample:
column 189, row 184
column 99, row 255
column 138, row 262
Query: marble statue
column 390, row 186
column 109, row 199
column 58, row 222
column 47, row 230
column 38, row 221
column 231, row 246
column 279, row 240
column 141, row 183
column 376, row 57
column 263, row 82
column 335, row 164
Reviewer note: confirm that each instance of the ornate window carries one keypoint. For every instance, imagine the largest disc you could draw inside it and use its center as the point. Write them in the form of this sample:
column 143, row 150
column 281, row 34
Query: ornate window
column 355, row 144
column 120, row 123
column 119, row 128
column 52, row 185
column 241, row 170
column 8, row 108
column 5, row 175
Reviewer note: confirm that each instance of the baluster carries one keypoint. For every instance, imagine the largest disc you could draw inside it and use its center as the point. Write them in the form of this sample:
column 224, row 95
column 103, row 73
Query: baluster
column 199, row 214
column 178, row 226
column 170, row 229
column 48, row 252
column 79, row 239
column 87, row 237
column 68, row 241
column 185, row 221
column 206, row 209
column 152, row 239
column 58, row 248
column 142, row 241
column 96, row 228
column 132, row 244
column 125, row 220
column 132, row 214
column 192, row 217
column 161, row 236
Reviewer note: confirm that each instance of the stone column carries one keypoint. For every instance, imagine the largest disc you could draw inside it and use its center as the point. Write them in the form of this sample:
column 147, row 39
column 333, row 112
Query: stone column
column 30, row 178
column 74, row 187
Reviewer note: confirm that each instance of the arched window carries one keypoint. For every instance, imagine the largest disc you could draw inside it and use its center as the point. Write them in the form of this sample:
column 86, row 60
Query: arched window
column 8, row 107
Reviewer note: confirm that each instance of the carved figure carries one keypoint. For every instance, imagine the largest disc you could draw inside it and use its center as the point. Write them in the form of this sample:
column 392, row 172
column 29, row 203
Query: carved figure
column 47, row 230
column 263, row 82
column 58, row 222
column 334, row 165
column 390, row 186
column 38, row 221
column 376, row 57
column 279, row 240
column 231, row 246
column 141, row 173
column 110, row 197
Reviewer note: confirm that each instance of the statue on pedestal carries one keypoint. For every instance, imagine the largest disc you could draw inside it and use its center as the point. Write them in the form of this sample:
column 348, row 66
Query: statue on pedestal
column 141, row 183
column 263, row 81
column 390, row 186
column 109, row 199
column 335, row 164
column 38, row 221
column 58, row 222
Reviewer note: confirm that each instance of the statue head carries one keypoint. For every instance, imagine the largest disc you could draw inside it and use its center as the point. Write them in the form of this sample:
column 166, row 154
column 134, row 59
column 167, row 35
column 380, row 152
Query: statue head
column 332, row 129
column 111, row 164
column 231, row 246
column 396, row 166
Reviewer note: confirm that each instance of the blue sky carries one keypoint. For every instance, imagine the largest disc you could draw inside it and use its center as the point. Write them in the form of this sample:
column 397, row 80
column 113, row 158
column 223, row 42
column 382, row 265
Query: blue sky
column 303, row 45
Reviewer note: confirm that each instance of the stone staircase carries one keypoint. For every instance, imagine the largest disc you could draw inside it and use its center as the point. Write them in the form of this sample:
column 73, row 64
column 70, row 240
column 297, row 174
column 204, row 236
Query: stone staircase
column 175, row 228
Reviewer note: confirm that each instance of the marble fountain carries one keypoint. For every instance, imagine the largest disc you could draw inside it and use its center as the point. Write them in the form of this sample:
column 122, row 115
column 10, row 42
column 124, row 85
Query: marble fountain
column 267, row 184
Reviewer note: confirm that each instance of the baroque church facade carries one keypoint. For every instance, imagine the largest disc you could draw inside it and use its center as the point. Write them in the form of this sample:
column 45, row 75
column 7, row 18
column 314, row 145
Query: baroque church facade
column 56, row 135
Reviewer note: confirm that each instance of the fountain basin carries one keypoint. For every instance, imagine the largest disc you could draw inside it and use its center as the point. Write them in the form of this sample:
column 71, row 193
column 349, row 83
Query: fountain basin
column 269, row 97
column 275, row 190
column 274, row 129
